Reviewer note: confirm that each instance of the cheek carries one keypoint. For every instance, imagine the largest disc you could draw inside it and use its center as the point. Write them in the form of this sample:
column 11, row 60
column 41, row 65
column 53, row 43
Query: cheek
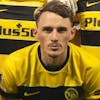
column 42, row 38
column 65, row 38
column 39, row 36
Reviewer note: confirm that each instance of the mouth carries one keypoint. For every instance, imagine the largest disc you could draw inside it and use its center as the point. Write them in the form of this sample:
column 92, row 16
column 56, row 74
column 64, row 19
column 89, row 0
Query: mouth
column 54, row 47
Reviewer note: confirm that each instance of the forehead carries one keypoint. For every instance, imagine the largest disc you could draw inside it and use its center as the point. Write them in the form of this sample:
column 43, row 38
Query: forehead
column 50, row 18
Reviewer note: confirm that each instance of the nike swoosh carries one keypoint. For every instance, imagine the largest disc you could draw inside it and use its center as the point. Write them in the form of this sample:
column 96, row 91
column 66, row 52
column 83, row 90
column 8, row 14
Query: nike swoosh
column 92, row 4
column 2, row 10
column 30, row 94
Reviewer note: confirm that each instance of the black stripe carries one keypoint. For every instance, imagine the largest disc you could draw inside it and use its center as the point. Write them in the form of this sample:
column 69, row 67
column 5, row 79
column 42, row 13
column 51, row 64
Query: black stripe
column 10, row 96
column 91, row 38
column 45, row 93
column 17, row 12
column 8, row 46
column 82, row 6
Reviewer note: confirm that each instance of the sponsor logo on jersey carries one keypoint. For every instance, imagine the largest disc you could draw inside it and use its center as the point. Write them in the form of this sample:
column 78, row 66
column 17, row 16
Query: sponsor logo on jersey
column 71, row 94
column 17, row 30
column 3, row 10
column 92, row 3
column 30, row 94
column 94, row 21
column 90, row 20
column 97, row 92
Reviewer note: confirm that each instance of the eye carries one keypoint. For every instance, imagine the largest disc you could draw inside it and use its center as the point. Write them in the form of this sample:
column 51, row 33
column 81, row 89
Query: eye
column 61, row 29
column 48, row 29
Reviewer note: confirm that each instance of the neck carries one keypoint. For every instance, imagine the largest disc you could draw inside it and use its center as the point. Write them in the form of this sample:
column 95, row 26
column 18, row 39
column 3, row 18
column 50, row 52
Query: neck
column 54, row 61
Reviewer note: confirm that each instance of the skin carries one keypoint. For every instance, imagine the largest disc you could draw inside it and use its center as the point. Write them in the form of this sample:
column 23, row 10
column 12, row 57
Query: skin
column 53, row 33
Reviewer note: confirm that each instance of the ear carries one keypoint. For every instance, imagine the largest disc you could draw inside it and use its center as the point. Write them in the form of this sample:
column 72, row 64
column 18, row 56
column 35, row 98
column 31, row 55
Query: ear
column 34, row 31
column 73, row 32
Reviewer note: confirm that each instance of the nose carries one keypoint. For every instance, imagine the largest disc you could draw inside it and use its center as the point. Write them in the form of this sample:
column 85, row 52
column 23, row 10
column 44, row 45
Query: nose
column 54, row 36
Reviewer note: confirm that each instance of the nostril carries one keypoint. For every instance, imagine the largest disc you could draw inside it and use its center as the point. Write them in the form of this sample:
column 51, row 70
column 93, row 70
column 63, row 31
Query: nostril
column 55, row 40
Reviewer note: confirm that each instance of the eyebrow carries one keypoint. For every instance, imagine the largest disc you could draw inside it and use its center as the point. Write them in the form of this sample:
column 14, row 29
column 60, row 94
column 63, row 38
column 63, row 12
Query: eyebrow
column 58, row 29
column 63, row 27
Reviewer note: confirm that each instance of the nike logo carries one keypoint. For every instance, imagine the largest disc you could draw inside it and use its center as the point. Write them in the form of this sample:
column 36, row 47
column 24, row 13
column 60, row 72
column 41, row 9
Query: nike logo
column 2, row 10
column 30, row 94
column 92, row 4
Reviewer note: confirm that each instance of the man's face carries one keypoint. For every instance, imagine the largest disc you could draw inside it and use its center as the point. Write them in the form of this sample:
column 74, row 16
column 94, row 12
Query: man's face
column 53, row 32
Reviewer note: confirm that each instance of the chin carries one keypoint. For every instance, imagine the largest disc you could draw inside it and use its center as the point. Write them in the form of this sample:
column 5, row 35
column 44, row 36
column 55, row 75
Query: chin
column 54, row 55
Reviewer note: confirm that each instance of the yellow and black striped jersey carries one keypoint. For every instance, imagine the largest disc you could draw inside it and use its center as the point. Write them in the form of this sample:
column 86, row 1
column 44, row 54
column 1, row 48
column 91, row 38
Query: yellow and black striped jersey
column 16, row 23
column 25, row 76
column 89, row 18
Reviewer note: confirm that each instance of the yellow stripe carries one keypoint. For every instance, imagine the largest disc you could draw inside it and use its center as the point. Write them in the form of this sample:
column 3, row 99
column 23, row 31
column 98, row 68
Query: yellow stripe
column 94, row 50
column 16, row 29
column 26, row 3
column 90, row 20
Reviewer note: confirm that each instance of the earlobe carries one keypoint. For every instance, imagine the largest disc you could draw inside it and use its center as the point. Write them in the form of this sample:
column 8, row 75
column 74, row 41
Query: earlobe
column 34, row 32
column 73, row 32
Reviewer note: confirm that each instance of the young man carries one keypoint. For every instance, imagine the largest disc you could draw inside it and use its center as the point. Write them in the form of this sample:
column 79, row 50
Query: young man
column 53, row 68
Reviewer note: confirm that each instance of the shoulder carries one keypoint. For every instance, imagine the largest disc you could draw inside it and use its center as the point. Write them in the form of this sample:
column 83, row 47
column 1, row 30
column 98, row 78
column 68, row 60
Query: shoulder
column 74, row 49
column 22, row 55
column 77, row 50
column 84, row 57
column 26, row 50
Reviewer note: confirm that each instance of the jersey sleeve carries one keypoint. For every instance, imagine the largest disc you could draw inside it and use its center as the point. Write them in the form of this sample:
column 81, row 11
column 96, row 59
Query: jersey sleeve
column 8, row 74
column 92, row 81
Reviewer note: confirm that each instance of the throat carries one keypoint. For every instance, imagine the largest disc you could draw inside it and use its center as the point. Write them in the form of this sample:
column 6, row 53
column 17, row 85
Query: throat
column 54, row 64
